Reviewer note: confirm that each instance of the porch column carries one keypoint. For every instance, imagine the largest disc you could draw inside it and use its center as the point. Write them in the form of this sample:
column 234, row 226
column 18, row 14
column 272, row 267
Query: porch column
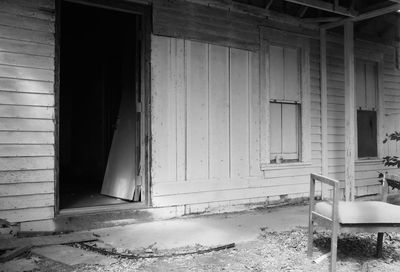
column 324, row 109
column 397, row 41
column 349, row 97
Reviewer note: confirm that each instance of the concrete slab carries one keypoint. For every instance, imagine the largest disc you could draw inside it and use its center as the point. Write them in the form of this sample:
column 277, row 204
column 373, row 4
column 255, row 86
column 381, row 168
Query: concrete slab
column 204, row 230
column 72, row 256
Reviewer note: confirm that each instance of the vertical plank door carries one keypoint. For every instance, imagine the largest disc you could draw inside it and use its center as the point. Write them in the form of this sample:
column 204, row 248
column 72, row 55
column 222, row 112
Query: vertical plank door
column 120, row 176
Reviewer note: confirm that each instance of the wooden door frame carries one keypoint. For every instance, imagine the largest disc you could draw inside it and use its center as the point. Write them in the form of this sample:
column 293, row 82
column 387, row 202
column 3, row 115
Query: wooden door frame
column 144, row 11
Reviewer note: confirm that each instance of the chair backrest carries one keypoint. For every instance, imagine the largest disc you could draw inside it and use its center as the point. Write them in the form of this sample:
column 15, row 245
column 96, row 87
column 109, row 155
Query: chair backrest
column 389, row 180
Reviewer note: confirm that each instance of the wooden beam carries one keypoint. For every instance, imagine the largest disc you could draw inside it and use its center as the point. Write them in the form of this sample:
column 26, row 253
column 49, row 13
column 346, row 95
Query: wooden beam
column 324, row 109
column 364, row 16
column 303, row 11
column 321, row 5
column 397, row 43
column 269, row 3
column 336, row 4
column 349, row 97
column 255, row 11
column 321, row 19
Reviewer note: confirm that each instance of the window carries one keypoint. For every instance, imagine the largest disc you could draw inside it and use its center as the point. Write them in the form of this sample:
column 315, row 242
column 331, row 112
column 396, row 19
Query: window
column 285, row 125
column 366, row 104
column 285, row 104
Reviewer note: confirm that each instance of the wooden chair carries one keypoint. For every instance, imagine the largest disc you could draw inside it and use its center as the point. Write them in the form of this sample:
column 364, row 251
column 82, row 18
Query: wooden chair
column 351, row 217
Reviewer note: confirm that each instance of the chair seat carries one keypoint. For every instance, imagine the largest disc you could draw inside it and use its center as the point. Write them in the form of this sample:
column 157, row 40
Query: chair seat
column 362, row 212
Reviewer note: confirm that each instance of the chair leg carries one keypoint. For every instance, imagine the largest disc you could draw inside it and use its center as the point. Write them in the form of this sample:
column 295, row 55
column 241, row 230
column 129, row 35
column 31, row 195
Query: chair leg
column 310, row 238
column 379, row 245
column 334, row 240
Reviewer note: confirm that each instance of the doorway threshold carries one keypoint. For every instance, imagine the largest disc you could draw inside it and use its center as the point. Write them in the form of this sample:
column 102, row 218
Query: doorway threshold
column 90, row 218
column 102, row 208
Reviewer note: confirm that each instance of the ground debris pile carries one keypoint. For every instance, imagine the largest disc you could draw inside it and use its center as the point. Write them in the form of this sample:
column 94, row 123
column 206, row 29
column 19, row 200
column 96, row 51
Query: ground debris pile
column 151, row 252
column 357, row 246
column 273, row 251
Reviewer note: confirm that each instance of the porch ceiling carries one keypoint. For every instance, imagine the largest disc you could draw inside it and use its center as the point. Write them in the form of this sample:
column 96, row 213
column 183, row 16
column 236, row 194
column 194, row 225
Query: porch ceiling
column 376, row 19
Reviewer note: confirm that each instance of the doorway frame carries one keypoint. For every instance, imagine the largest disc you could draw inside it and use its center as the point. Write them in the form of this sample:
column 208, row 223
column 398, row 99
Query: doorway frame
column 144, row 11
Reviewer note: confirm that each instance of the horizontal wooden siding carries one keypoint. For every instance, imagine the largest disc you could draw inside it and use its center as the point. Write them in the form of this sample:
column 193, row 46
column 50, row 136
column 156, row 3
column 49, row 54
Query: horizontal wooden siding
column 27, row 110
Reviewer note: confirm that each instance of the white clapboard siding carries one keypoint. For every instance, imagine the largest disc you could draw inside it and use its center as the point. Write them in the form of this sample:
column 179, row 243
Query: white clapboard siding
column 27, row 201
column 367, row 171
column 13, row 124
column 25, row 86
column 27, row 110
column 26, row 176
column 29, row 214
column 15, row 190
column 26, row 150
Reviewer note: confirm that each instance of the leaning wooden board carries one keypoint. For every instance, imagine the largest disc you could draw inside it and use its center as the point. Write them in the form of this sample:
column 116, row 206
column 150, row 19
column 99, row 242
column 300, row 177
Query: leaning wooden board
column 46, row 240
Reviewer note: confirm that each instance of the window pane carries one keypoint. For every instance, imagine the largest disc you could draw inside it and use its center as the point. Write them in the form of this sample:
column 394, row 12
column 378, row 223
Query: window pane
column 290, row 133
column 370, row 85
column 367, row 135
column 275, row 129
column 276, row 68
column 284, row 131
column 292, row 75
column 360, row 85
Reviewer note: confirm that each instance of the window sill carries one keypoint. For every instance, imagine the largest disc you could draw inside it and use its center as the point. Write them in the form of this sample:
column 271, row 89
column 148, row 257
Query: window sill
column 367, row 161
column 291, row 165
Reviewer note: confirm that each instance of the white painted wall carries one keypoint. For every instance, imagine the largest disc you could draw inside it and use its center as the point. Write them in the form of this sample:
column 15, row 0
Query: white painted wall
column 206, row 127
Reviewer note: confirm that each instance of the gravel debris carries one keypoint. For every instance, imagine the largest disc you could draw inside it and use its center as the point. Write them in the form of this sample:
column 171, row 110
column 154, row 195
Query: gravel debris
column 272, row 251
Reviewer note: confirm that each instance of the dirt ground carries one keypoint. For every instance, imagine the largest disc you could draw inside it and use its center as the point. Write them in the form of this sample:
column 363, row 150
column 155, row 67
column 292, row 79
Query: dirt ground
column 272, row 251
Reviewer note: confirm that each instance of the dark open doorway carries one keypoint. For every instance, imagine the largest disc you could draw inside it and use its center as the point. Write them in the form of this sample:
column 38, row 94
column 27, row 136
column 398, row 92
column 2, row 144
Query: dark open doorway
column 99, row 125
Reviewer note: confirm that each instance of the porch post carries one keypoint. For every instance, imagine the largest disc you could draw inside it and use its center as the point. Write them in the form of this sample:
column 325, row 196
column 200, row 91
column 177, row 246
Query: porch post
column 349, row 98
column 397, row 40
column 324, row 109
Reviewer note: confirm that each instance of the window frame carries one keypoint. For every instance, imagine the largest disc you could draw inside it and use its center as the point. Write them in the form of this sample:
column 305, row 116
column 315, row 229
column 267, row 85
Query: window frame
column 377, row 59
column 276, row 37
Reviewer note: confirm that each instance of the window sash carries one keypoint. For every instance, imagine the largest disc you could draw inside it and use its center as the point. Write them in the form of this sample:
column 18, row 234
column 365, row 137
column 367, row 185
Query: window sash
column 284, row 131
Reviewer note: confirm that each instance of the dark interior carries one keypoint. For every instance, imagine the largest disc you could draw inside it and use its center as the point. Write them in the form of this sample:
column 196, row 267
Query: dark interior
column 97, row 52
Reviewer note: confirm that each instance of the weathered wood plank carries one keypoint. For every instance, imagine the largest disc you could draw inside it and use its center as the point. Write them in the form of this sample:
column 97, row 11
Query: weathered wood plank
column 239, row 112
column 30, row 214
column 26, row 163
column 26, row 150
column 27, row 35
column 180, row 110
column 23, row 22
column 14, row 7
column 48, row 240
column 254, row 118
column 22, row 47
column 198, row 22
column 227, row 195
column 159, row 58
column 27, row 112
column 197, row 110
column 26, row 189
column 23, row 60
column 26, row 73
column 219, row 111
column 26, row 99
column 26, row 176
column 195, row 186
column 26, row 201
column 12, row 124
column 349, row 110
column 26, row 86
column 26, row 137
